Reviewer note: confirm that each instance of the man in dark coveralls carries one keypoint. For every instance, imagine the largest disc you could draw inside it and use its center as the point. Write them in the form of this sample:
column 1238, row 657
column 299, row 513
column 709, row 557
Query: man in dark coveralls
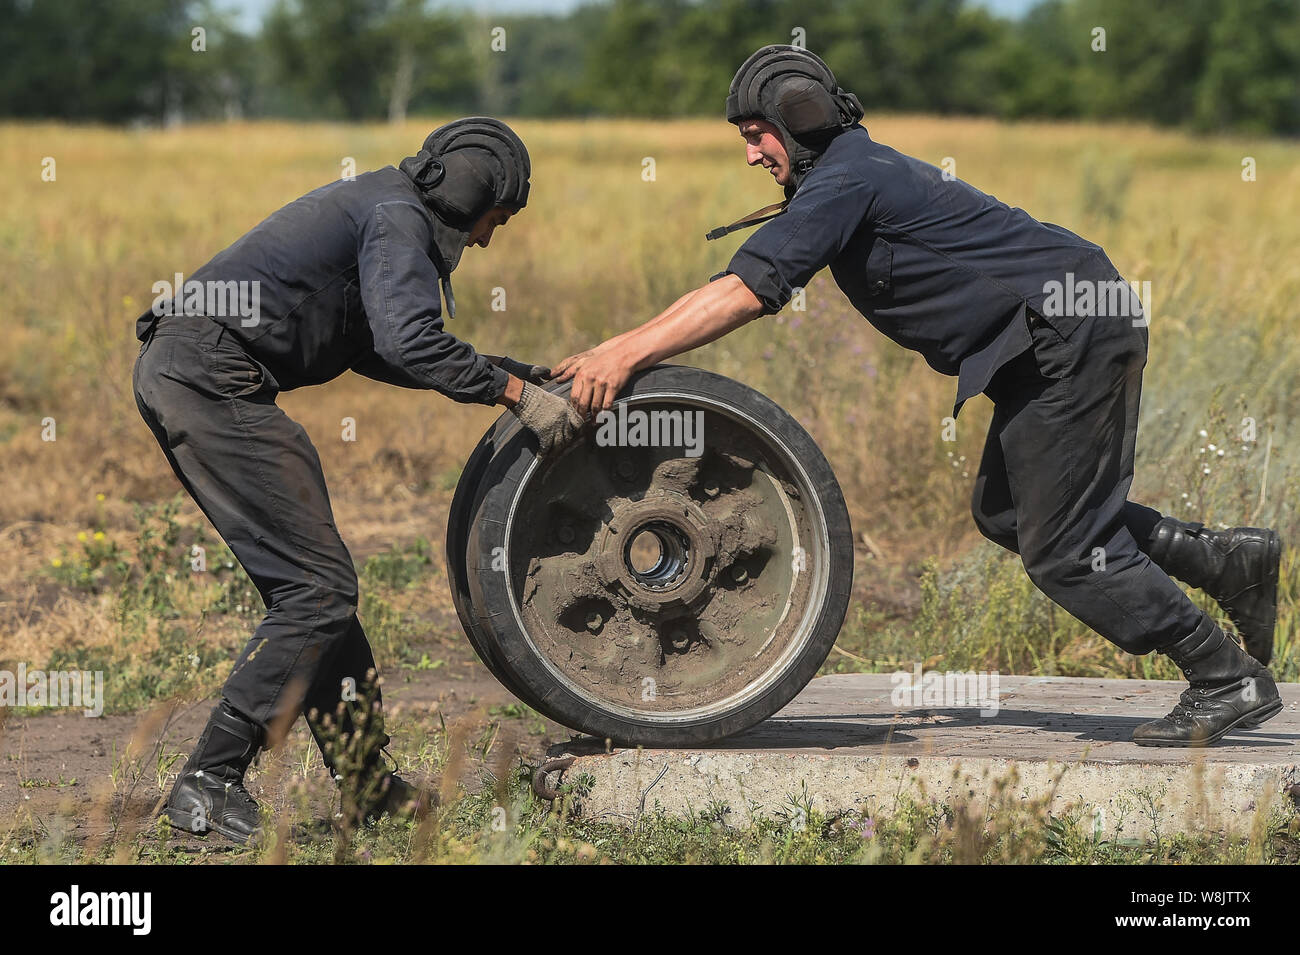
column 975, row 286
column 347, row 277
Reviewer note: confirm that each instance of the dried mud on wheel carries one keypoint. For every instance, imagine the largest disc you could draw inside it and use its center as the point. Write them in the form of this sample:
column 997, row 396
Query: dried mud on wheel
column 674, row 577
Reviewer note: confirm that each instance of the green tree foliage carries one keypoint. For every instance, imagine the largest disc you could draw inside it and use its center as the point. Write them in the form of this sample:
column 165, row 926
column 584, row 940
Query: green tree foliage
column 1214, row 64
column 107, row 62
column 364, row 59
column 1252, row 75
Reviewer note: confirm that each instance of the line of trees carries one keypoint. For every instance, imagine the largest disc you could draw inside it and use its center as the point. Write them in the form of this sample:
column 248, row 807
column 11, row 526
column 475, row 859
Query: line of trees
column 1210, row 64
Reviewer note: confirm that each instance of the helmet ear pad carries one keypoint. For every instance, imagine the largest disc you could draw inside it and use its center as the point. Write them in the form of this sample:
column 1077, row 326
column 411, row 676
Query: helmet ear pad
column 806, row 109
column 466, row 190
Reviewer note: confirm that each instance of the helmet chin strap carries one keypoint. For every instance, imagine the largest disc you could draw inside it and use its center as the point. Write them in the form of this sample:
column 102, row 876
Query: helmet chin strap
column 753, row 219
column 447, row 297
column 448, row 245
column 758, row 216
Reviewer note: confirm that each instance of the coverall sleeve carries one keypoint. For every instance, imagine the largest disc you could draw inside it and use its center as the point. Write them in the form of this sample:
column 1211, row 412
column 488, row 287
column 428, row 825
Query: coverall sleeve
column 786, row 252
column 400, row 292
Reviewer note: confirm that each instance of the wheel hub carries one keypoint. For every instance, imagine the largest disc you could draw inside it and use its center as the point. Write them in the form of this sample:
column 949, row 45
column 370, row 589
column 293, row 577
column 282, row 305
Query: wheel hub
column 655, row 591
column 680, row 574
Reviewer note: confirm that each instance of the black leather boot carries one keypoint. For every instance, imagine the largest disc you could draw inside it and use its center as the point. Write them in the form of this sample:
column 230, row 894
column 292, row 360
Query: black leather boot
column 1228, row 691
column 209, row 794
column 382, row 792
column 1237, row 567
column 352, row 743
column 369, row 789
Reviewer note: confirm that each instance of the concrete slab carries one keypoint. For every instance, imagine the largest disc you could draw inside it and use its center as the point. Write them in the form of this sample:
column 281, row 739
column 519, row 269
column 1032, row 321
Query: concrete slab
column 861, row 741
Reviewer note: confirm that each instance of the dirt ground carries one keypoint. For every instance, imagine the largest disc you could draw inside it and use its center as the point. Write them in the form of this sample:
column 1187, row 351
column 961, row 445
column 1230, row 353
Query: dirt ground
column 68, row 773
column 63, row 771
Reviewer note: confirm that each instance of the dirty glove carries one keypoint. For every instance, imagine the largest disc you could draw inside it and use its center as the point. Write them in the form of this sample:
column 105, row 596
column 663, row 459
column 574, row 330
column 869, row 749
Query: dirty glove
column 548, row 416
column 537, row 374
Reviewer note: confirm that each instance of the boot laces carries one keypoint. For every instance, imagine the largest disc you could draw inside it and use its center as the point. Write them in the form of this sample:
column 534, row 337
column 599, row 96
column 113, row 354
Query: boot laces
column 376, row 785
column 1189, row 701
column 235, row 791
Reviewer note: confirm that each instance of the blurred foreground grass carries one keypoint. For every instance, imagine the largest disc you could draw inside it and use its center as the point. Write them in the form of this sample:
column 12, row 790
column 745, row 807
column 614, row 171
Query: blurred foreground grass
column 487, row 812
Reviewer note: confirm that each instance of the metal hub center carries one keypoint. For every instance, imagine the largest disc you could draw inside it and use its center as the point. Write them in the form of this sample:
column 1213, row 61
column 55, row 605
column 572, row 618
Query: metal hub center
column 673, row 558
column 675, row 576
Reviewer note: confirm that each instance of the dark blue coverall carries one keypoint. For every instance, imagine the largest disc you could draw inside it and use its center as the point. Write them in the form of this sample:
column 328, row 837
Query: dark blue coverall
column 948, row 271
column 348, row 278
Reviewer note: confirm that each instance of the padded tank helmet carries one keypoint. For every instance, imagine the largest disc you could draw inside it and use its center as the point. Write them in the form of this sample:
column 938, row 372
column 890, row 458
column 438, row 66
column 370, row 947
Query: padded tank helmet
column 470, row 166
column 796, row 92
column 465, row 169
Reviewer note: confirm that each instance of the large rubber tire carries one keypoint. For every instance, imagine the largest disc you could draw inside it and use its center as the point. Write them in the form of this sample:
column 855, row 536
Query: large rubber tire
column 464, row 504
column 490, row 575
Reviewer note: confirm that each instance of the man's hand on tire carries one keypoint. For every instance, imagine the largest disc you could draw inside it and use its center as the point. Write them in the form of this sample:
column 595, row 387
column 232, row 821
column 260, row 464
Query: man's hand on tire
column 598, row 374
column 537, row 374
column 548, row 416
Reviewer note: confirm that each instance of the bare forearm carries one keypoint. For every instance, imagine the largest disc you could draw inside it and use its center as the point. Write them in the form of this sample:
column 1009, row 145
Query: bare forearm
column 658, row 319
column 695, row 319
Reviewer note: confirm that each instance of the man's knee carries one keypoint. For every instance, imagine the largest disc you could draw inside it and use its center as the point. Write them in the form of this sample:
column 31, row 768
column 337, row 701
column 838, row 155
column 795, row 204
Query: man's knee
column 1053, row 570
column 329, row 604
column 339, row 599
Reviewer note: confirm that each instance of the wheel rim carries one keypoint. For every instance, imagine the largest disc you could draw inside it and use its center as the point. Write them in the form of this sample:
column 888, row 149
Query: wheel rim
column 666, row 588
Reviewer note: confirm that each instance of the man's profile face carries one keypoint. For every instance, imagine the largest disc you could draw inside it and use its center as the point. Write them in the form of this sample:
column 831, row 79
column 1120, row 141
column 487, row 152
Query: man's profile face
column 763, row 145
column 481, row 233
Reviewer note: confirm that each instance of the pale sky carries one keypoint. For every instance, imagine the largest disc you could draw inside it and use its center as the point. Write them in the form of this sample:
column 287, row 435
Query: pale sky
column 251, row 11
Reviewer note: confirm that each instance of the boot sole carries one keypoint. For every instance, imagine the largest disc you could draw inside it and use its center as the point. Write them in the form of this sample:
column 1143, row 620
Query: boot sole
column 185, row 820
column 1245, row 721
column 1256, row 719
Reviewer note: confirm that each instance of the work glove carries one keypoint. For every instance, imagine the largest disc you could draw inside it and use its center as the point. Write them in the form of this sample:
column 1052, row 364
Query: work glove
column 548, row 416
column 537, row 374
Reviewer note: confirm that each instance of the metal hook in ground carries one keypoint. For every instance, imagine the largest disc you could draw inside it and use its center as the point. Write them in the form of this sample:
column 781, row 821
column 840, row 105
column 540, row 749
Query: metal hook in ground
column 559, row 764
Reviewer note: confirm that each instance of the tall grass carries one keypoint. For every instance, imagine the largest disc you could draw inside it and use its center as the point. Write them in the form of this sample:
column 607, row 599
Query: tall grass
column 600, row 249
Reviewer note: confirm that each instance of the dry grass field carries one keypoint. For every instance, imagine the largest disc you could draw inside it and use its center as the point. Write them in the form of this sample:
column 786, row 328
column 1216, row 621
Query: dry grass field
column 95, row 543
